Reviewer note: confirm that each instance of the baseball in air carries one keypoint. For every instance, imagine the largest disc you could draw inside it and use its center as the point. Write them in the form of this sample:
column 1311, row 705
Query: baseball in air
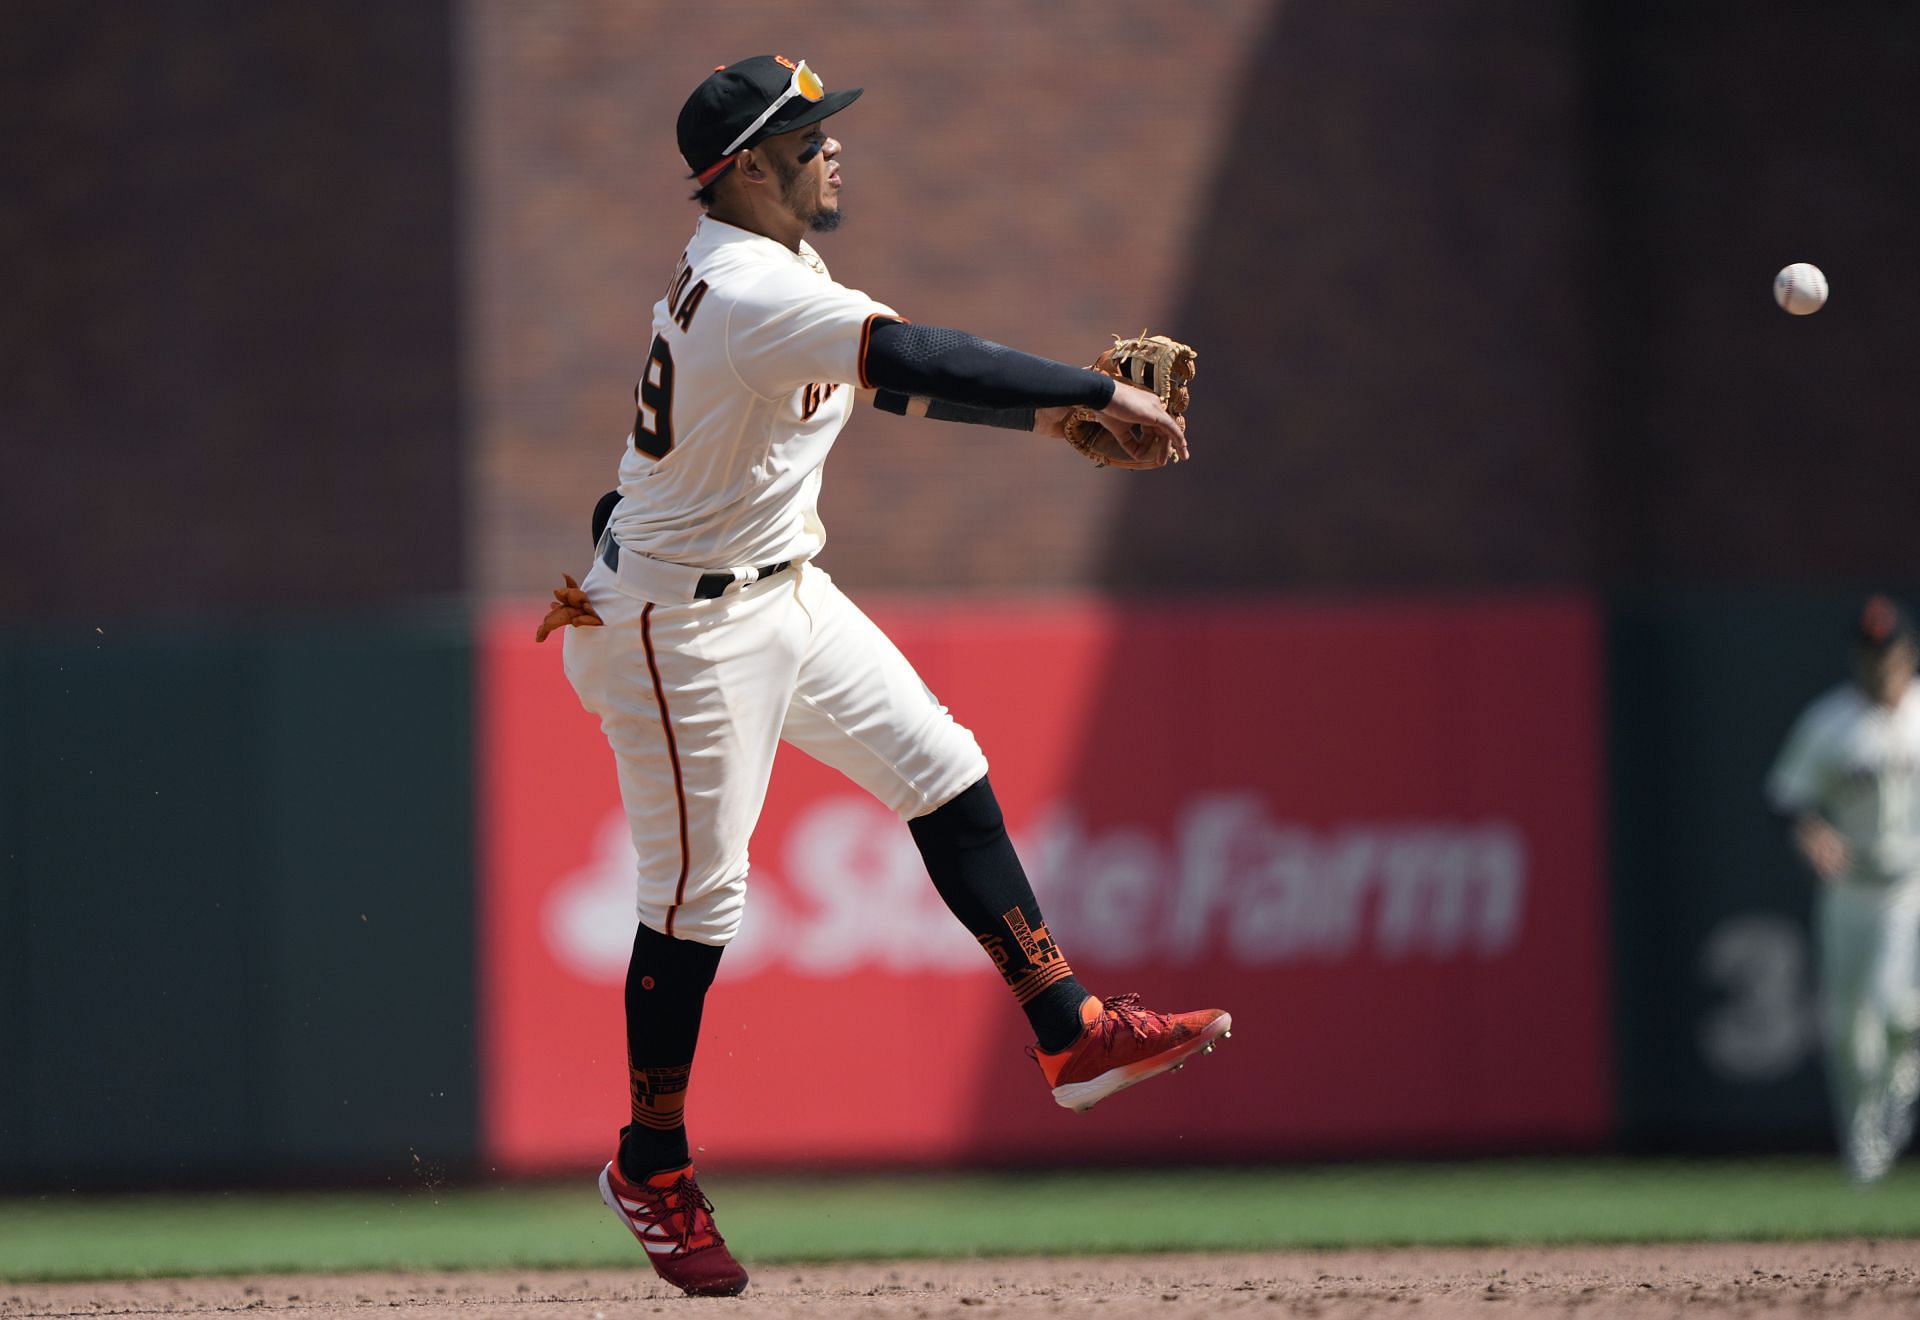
column 1800, row 288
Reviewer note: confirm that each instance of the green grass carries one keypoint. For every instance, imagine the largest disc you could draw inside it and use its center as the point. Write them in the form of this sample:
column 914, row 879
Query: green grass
column 61, row 1237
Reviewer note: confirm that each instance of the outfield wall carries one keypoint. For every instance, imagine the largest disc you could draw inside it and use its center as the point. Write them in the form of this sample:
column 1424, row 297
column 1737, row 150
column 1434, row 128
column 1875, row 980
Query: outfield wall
column 303, row 902
column 1371, row 830
column 236, row 903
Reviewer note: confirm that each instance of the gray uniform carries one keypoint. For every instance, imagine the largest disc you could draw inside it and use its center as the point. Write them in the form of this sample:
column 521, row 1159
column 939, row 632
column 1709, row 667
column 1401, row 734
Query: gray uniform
column 1856, row 764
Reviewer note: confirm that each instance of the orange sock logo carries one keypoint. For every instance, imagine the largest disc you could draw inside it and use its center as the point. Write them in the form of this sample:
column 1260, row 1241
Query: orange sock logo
column 1037, row 944
column 659, row 1096
column 1046, row 964
column 997, row 950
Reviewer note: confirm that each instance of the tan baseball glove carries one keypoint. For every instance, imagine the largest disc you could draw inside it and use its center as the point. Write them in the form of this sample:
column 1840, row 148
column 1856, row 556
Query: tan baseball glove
column 570, row 609
column 1153, row 362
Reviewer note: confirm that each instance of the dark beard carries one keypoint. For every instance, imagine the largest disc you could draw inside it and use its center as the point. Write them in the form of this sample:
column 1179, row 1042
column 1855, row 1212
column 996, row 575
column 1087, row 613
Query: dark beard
column 819, row 219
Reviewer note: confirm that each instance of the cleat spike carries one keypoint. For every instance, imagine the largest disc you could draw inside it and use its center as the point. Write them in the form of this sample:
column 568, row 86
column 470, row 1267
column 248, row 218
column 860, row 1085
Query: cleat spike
column 1208, row 1049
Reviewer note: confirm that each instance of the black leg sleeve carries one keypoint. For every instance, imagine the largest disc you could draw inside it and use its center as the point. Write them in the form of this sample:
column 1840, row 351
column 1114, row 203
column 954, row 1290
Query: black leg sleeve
column 667, row 982
column 978, row 875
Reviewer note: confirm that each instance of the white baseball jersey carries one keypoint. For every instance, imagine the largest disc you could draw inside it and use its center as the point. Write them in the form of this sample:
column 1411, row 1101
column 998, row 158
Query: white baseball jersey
column 751, row 375
column 749, row 379
column 1858, row 765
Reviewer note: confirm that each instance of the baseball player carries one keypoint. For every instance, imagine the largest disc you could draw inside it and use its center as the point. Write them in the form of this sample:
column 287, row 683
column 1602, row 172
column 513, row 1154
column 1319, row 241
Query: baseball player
column 707, row 632
column 1848, row 781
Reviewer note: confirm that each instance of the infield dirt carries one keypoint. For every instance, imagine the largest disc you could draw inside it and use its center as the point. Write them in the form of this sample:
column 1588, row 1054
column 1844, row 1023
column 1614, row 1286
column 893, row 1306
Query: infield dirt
column 1857, row 1279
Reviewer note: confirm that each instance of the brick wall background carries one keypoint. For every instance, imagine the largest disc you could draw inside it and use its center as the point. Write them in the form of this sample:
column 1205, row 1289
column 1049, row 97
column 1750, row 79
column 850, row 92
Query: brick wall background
column 987, row 188
column 1734, row 443
column 316, row 306
column 231, row 381
column 1394, row 284
column 1480, row 285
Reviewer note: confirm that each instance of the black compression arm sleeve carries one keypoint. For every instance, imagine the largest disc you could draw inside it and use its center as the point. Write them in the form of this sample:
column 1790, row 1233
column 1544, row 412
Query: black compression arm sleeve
column 939, row 410
column 955, row 366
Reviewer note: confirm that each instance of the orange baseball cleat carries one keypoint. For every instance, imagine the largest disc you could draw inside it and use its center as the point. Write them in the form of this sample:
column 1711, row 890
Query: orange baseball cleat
column 1123, row 1043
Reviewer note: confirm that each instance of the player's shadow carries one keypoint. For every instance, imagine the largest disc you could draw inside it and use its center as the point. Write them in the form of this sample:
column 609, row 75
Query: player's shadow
column 1385, row 295
column 1387, row 298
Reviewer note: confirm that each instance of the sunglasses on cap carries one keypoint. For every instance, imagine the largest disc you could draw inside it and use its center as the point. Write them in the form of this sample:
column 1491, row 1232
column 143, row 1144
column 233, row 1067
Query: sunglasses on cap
column 804, row 84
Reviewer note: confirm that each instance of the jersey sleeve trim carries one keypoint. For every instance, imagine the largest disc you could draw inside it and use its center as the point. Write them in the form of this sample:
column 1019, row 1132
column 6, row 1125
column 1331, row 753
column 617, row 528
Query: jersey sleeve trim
column 866, row 339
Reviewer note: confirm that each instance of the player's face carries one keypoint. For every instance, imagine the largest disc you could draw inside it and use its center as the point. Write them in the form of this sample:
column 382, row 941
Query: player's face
column 810, row 188
column 1886, row 675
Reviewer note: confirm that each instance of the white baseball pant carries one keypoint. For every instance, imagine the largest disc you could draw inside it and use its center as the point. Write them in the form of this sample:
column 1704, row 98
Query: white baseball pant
column 1869, row 939
column 695, row 698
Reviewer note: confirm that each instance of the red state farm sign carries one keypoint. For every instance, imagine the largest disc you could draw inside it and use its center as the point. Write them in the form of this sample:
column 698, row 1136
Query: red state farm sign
column 1371, row 832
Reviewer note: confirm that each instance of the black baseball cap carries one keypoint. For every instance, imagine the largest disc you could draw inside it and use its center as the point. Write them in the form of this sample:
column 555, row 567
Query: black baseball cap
column 734, row 97
column 1882, row 623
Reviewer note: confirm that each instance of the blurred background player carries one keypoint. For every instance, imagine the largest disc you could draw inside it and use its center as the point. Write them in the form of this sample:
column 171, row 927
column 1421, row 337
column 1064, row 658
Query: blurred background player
column 1847, row 781
column 714, row 635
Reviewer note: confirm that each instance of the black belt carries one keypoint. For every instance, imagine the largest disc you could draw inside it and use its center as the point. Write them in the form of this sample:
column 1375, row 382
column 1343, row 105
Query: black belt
column 711, row 586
